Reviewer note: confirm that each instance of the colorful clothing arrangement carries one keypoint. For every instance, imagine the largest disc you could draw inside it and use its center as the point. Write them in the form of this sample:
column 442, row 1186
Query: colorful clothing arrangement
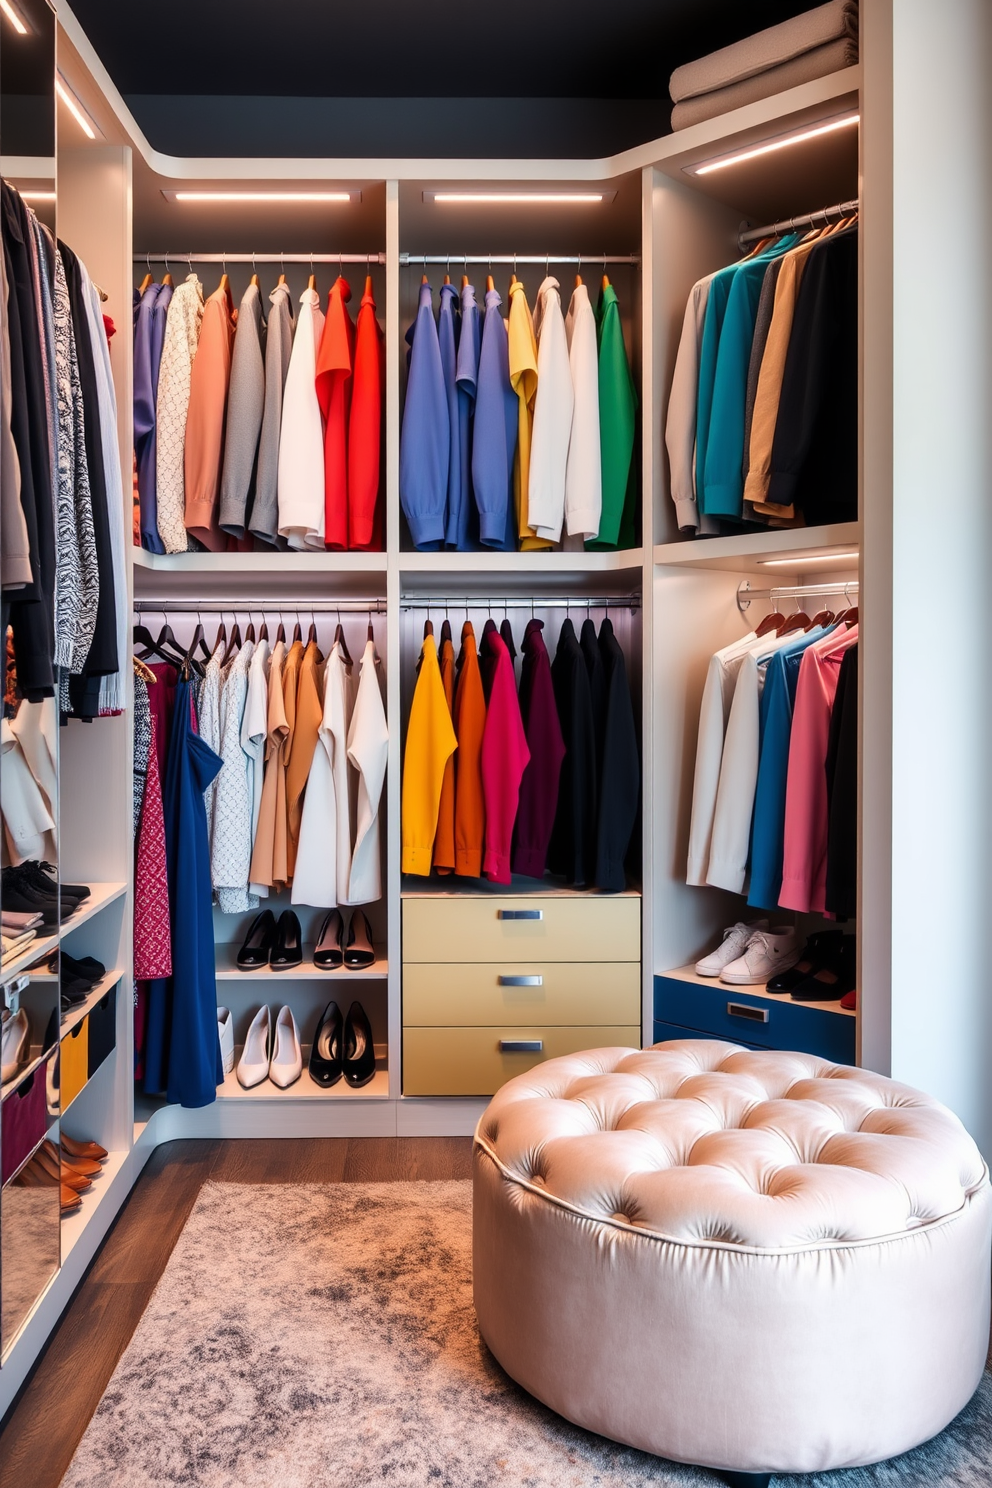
column 762, row 419
column 517, row 431
column 61, row 498
column 498, row 781
column 774, row 809
column 252, row 428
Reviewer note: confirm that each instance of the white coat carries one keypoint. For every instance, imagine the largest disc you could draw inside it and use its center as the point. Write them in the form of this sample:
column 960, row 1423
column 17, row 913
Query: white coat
column 301, row 438
column 368, row 748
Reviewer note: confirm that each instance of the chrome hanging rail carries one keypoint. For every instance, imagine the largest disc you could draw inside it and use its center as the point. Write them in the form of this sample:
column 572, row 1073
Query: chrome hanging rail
column 260, row 605
column 591, row 260
column 502, row 602
column 745, row 593
column 791, row 224
column 260, row 258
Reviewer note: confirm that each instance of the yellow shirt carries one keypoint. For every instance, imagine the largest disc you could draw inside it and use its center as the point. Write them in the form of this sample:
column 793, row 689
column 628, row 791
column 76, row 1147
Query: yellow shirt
column 430, row 743
column 523, row 380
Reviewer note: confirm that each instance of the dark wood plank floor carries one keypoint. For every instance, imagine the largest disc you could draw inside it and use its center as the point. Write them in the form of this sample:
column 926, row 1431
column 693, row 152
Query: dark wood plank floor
column 42, row 1431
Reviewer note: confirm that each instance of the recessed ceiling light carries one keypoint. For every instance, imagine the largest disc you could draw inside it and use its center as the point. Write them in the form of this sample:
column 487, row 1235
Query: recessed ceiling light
column 781, row 143
column 263, row 196
column 14, row 17
column 803, row 560
column 75, row 108
column 39, row 196
column 521, row 198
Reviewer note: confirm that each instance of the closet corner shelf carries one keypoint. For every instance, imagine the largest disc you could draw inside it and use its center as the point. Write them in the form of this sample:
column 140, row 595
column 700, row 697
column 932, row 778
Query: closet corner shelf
column 688, row 974
column 274, row 561
column 101, row 894
column 75, row 1222
column 304, row 1089
column 744, row 552
column 227, row 970
column 449, row 565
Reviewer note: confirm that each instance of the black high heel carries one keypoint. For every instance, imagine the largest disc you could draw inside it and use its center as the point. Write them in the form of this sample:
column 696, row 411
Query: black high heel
column 288, row 948
column 359, row 1049
column 359, row 950
column 327, row 1049
column 258, row 942
column 327, row 953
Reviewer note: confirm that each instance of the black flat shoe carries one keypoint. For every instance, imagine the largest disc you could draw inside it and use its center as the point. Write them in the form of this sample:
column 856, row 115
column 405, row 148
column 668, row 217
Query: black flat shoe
column 327, row 1049
column 44, row 876
column 287, row 949
column 359, row 950
column 258, row 942
column 833, row 977
column 359, row 1049
column 327, row 953
column 823, row 946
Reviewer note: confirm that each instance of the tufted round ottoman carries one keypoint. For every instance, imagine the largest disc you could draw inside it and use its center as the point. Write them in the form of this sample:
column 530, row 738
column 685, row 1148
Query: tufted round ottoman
column 752, row 1261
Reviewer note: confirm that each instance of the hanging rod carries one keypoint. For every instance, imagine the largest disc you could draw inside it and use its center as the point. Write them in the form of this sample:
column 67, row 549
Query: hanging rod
column 591, row 259
column 790, row 224
column 517, row 602
column 745, row 593
column 261, row 258
column 238, row 604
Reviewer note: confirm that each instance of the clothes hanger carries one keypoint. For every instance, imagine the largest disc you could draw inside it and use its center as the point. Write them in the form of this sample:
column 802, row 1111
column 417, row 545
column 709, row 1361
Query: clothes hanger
column 339, row 640
column 263, row 630
column 313, row 277
column 297, row 631
column 250, row 630
column 312, row 632
column 142, row 636
column 196, row 641
column 221, row 639
column 166, row 638
column 282, row 275
column 143, row 671
column 799, row 621
column 370, row 636
column 254, row 276
column 447, row 272
column 167, row 277
column 772, row 622
column 606, row 277
column 149, row 277
column 281, row 632
column 234, row 644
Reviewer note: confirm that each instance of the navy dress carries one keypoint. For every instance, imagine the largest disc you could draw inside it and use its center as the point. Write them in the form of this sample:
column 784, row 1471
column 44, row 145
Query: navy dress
column 194, row 1059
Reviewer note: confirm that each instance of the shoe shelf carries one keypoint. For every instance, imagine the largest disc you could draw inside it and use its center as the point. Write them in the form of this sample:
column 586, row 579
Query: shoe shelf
column 746, row 551
column 689, row 974
column 75, row 1015
column 305, row 1089
column 75, row 1222
column 101, row 894
column 38, row 1057
column 229, row 971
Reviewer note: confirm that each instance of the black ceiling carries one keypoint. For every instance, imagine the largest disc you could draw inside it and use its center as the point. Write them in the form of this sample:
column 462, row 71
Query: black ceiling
column 380, row 50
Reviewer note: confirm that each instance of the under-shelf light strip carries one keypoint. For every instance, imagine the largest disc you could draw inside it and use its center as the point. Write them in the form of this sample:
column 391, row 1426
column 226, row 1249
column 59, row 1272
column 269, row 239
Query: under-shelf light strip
column 782, row 142
column 260, row 605
column 503, row 602
column 262, row 258
column 322, row 197
column 14, row 17
column 75, row 108
column 803, row 560
column 591, row 260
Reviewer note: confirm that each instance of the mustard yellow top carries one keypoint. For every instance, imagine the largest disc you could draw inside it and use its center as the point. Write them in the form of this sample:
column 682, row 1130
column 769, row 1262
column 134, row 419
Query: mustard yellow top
column 430, row 743
column 523, row 380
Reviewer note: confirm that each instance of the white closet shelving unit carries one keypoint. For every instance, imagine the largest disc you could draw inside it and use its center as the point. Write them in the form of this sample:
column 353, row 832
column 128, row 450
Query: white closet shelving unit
column 680, row 225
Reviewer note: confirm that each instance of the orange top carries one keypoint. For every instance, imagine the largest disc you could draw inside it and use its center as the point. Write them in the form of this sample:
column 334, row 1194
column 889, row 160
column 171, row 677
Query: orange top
column 470, row 722
column 365, row 430
column 281, row 871
column 204, row 448
column 276, row 731
column 335, row 356
column 444, row 838
column 309, row 712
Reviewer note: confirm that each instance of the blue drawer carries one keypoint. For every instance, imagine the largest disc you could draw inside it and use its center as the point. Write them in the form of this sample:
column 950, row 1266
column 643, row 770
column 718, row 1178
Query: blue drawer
column 763, row 1022
column 665, row 1031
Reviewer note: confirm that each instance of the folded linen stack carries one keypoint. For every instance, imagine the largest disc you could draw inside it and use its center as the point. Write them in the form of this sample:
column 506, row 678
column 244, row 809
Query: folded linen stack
column 811, row 45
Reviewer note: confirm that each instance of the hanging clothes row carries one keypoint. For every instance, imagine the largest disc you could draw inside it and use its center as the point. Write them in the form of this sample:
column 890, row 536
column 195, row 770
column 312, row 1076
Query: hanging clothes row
column 774, row 807
column 517, row 430
column 257, row 429
column 61, row 499
column 497, row 781
column 762, row 420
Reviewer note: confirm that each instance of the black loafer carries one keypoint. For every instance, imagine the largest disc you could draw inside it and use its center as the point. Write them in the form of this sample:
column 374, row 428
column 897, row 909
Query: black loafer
column 359, row 1049
column 287, row 950
column 258, row 942
column 359, row 950
column 819, row 948
column 327, row 953
column 833, row 978
column 327, row 1049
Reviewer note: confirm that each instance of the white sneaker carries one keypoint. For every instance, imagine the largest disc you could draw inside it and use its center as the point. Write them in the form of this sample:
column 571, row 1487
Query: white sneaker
column 286, row 1065
column 734, row 943
column 253, row 1066
column 768, row 952
column 225, row 1032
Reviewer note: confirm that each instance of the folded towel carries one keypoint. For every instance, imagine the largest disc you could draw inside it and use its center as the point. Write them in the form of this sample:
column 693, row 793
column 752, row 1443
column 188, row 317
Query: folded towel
column 766, row 49
column 817, row 63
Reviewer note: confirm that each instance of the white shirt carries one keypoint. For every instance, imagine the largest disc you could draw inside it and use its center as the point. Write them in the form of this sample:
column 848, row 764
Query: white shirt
column 368, row 748
column 714, row 712
column 254, row 727
column 232, row 837
column 27, row 820
column 584, row 472
column 323, row 859
column 552, row 416
column 182, row 335
column 680, row 427
column 301, row 438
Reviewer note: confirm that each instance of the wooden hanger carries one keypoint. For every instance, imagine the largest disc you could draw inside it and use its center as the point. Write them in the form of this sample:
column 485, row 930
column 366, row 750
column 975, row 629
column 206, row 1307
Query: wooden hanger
column 233, row 645
column 263, row 630
column 148, row 279
column 167, row 279
column 368, row 284
column 822, row 617
column 250, row 631
column 799, row 621
column 297, row 632
column 445, row 630
column 339, row 640
column 143, row 671
column 221, row 639
column 423, row 280
column 198, row 640
column 464, row 281
column 428, row 628
column 280, row 633
column 312, row 633
column 772, row 622
column 490, row 284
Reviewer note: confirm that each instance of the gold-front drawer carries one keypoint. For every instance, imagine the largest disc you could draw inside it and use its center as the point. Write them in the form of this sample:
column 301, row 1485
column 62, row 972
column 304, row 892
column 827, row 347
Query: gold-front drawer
column 556, row 993
column 477, row 1061
column 583, row 928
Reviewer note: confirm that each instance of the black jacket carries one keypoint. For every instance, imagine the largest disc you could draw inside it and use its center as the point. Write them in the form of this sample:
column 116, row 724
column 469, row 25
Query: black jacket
column 842, row 793
column 572, row 850
column 620, row 776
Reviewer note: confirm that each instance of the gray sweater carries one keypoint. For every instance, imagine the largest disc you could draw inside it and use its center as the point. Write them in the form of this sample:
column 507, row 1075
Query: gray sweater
column 264, row 521
column 245, row 400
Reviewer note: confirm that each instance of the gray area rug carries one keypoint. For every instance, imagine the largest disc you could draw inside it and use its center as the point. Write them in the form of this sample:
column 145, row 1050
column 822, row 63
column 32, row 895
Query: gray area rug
column 324, row 1335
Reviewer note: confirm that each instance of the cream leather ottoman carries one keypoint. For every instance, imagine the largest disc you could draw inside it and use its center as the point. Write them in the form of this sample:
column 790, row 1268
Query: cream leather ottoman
column 755, row 1262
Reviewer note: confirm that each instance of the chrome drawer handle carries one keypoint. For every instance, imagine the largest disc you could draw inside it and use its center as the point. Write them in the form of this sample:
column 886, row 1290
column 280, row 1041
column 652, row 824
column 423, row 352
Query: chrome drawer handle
column 520, row 914
column 520, row 981
column 741, row 1010
column 521, row 1046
